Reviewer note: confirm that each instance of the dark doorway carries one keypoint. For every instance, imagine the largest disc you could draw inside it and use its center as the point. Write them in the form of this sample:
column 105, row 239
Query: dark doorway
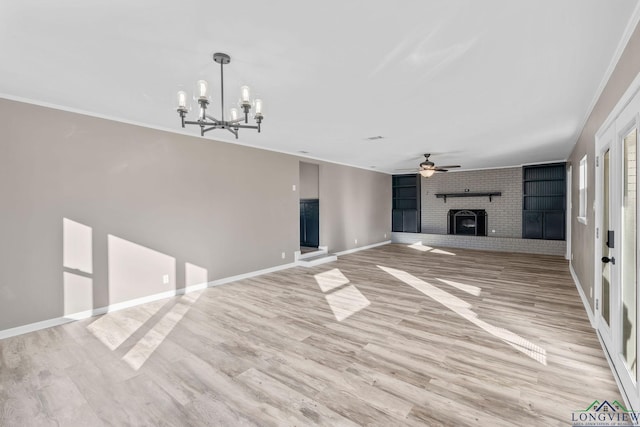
column 310, row 223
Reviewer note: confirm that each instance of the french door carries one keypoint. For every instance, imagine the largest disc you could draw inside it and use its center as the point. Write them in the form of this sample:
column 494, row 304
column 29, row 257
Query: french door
column 616, row 263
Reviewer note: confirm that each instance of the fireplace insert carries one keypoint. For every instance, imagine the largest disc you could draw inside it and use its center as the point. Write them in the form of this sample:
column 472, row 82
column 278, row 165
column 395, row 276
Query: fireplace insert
column 470, row 222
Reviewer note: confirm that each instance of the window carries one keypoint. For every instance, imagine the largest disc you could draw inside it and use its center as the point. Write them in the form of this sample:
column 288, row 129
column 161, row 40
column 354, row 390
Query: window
column 582, row 214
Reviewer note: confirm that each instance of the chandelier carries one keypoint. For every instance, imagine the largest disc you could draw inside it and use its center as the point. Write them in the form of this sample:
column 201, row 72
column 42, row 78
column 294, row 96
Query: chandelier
column 207, row 122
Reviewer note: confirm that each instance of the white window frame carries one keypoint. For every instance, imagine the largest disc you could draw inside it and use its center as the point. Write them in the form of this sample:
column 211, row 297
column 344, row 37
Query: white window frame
column 582, row 191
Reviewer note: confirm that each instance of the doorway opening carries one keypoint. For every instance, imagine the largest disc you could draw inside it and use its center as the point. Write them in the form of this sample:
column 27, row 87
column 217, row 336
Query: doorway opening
column 309, row 207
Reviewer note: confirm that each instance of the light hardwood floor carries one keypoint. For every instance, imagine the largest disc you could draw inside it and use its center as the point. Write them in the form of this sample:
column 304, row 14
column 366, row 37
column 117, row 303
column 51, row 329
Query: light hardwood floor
column 390, row 336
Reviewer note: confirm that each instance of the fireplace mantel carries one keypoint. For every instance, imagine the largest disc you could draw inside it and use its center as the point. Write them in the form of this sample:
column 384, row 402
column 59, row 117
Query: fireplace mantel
column 490, row 194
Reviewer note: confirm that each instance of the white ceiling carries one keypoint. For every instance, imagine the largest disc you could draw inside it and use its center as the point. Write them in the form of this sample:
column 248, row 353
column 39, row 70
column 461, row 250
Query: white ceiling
column 484, row 83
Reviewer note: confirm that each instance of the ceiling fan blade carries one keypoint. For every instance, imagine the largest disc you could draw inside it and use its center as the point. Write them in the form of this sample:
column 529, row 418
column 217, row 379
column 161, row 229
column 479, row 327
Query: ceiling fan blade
column 440, row 170
column 449, row 166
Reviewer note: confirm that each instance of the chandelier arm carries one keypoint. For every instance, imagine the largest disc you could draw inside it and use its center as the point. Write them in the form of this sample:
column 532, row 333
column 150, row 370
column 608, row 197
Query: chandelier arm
column 210, row 128
column 213, row 119
column 233, row 131
column 246, row 127
column 201, row 123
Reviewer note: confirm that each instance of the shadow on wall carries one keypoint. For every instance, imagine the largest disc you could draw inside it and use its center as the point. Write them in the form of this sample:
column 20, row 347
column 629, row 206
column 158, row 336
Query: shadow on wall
column 134, row 271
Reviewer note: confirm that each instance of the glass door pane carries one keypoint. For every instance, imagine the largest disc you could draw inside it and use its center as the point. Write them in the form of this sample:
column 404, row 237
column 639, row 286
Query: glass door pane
column 628, row 253
column 606, row 225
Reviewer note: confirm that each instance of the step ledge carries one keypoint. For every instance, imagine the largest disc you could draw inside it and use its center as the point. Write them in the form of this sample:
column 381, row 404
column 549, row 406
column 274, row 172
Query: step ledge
column 317, row 261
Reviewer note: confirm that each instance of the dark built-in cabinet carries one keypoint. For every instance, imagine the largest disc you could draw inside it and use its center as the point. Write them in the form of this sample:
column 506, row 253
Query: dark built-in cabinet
column 544, row 201
column 310, row 222
column 405, row 215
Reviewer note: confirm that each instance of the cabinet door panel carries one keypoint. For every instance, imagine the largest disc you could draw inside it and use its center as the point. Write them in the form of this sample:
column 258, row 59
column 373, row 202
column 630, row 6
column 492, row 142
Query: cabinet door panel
column 396, row 220
column 410, row 220
column 532, row 225
column 554, row 225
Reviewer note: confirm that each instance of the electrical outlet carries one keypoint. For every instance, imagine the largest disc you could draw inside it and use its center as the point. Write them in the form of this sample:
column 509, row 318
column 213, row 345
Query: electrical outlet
column 590, row 292
column 356, row 241
column 385, row 235
column 165, row 279
column 493, row 231
column 283, row 255
column 293, row 187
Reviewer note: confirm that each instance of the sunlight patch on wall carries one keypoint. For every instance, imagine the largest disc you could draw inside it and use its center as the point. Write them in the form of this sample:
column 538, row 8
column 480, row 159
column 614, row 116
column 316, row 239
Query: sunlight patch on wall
column 77, row 249
column 195, row 275
column 136, row 271
column 78, row 293
column 77, row 261
column 463, row 309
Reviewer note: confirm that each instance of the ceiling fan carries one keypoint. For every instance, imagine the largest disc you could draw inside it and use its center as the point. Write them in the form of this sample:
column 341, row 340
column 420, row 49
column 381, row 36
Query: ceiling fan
column 427, row 168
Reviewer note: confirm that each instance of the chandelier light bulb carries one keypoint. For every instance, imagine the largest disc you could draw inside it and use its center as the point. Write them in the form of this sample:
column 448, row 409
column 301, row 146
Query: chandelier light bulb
column 202, row 89
column 234, row 114
column 258, row 103
column 182, row 100
column 245, row 94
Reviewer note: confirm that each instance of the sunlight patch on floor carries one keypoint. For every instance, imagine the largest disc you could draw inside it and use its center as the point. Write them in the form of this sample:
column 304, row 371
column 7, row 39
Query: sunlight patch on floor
column 140, row 353
column 344, row 301
column 470, row 289
column 114, row 329
column 331, row 279
column 423, row 248
column 420, row 247
column 463, row 309
column 442, row 252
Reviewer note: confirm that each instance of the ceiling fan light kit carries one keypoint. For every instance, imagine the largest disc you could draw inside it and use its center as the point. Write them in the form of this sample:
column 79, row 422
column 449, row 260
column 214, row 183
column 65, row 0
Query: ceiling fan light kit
column 427, row 172
column 208, row 122
column 428, row 168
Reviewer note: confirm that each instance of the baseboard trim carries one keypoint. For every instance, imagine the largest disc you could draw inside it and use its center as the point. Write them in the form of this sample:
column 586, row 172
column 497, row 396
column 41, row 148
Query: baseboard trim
column 362, row 248
column 614, row 371
column 250, row 274
column 32, row 327
column 585, row 301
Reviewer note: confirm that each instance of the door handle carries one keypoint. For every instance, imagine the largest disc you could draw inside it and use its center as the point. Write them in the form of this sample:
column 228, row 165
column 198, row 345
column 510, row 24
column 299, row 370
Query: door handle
column 606, row 259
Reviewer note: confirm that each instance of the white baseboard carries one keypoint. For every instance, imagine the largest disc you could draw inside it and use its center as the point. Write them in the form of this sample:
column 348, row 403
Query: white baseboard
column 362, row 248
column 19, row 330
column 585, row 301
column 250, row 274
column 615, row 373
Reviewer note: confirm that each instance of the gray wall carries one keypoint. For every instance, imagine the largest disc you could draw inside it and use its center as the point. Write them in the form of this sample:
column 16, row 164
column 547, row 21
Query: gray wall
column 96, row 212
column 361, row 210
column 583, row 237
column 504, row 212
column 309, row 176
